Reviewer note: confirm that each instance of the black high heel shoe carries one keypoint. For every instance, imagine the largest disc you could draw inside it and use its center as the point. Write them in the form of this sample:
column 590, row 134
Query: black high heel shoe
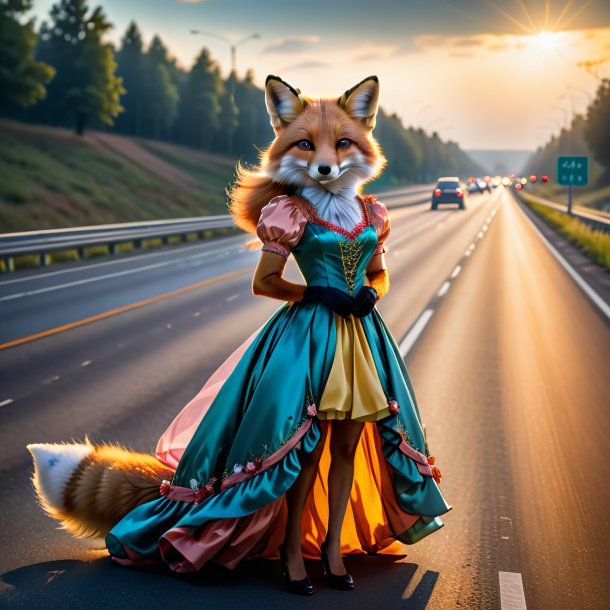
column 298, row 587
column 343, row 582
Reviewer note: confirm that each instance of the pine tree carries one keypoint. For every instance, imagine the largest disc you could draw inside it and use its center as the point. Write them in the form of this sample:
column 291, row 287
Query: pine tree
column 130, row 59
column 228, row 121
column 199, row 108
column 22, row 79
column 86, row 88
column 160, row 92
column 597, row 128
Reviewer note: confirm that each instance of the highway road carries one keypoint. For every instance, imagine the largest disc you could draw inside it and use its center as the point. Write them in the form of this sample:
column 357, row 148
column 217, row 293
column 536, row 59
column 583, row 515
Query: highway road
column 510, row 370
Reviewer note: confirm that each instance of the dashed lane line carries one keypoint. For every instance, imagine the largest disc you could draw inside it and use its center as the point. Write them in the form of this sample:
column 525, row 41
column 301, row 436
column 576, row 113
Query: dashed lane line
column 418, row 327
column 512, row 596
column 443, row 289
column 414, row 333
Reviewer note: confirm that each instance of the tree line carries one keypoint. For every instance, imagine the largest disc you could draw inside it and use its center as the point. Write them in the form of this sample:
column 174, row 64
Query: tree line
column 67, row 75
column 587, row 135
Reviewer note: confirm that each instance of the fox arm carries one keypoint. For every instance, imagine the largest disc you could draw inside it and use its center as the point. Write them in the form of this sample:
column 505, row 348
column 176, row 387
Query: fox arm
column 377, row 275
column 268, row 280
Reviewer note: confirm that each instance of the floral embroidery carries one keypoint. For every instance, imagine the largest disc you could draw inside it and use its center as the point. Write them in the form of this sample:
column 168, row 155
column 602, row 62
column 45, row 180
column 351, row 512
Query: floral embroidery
column 165, row 487
column 312, row 411
column 238, row 468
column 436, row 473
column 393, row 406
column 350, row 257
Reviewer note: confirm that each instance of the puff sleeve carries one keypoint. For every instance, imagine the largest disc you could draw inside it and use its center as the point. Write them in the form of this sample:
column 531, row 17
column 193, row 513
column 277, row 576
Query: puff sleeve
column 281, row 225
column 381, row 221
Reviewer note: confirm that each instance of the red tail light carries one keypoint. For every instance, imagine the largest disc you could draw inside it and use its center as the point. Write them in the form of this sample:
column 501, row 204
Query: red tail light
column 459, row 193
column 438, row 192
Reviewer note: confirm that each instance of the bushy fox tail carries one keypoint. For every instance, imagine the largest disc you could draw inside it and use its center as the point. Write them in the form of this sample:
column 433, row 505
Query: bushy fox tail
column 90, row 488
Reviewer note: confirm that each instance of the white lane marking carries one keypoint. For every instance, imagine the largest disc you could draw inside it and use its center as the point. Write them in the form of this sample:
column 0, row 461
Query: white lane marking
column 456, row 271
column 86, row 362
column 413, row 335
column 103, row 277
column 8, row 401
column 603, row 306
column 197, row 313
column 443, row 289
column 51, row 379
column 117, row 261
column 231, row 298
column 512, row 596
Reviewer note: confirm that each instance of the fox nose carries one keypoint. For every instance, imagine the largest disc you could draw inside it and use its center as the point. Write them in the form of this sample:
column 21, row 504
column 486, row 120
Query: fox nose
column 324, row 169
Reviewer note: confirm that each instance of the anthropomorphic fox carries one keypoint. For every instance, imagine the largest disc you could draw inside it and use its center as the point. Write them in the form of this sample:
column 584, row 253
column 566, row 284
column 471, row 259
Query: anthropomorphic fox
column 324, row 152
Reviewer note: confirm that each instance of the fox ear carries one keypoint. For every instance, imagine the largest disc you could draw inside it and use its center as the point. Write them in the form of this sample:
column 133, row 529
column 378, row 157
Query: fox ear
column 284, row 103
column 360, row 102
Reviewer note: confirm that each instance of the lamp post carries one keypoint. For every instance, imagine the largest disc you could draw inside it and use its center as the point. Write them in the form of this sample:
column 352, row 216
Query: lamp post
column 233, row 46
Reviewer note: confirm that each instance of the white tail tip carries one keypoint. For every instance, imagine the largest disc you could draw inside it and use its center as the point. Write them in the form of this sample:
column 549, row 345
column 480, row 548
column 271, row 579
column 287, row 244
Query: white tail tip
column 54, row 465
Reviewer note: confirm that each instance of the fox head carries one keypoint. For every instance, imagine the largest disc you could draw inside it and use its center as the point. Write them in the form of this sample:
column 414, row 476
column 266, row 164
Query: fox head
column 325, row 142
column 322, row 142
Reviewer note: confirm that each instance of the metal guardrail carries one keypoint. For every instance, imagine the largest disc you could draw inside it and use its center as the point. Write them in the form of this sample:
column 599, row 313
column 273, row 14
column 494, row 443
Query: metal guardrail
column 42, row 243
column 597, row 222
column 45, row 242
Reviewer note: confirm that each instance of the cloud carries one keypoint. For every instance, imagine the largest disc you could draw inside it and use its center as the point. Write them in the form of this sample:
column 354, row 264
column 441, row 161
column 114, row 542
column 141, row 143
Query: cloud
column 468, row 42
column 461, row 54
column 307, row 65
column 500, row 46
column 295, row 44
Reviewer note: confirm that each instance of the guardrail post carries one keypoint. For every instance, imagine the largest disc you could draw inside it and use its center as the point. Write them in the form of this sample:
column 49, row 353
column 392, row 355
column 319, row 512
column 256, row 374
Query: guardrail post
column 112, row 248
column 81, row 253
column 9, row 264
column 42, row 259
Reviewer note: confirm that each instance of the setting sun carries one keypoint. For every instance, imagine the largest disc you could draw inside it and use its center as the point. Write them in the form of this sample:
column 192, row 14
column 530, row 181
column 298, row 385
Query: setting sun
column 547, row 41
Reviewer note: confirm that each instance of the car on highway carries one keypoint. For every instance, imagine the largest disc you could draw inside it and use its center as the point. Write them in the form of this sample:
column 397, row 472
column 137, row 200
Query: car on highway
column 448, row 190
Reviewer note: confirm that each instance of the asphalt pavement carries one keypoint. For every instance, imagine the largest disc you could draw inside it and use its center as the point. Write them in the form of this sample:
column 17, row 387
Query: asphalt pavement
column 510, row 370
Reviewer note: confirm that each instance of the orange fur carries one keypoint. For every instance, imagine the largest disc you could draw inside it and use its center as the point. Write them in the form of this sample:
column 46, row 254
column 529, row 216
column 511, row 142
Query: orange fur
column 106, row 485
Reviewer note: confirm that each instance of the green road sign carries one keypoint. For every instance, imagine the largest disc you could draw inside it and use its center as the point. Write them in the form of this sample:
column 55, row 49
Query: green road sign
column 573, row 171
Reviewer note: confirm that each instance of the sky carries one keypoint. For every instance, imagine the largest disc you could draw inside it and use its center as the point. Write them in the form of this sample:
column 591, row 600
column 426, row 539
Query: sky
column 486, row 74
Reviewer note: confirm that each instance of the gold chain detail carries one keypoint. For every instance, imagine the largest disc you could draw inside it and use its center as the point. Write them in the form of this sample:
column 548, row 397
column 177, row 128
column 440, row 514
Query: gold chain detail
column 350, row 256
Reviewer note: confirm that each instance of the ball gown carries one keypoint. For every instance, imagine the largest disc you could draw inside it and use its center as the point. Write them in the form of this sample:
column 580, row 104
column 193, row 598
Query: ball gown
column 237, row 446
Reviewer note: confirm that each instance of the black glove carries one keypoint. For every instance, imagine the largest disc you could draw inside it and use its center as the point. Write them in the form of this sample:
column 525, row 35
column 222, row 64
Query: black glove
column 337, row 300
column 364, row 302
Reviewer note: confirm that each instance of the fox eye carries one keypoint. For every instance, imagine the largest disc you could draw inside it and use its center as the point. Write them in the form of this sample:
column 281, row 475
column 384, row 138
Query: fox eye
column 305, row 145
column 344, row 143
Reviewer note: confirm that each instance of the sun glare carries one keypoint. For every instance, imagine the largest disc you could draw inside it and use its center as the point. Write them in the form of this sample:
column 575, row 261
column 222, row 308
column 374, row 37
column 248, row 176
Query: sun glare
column 547, row 41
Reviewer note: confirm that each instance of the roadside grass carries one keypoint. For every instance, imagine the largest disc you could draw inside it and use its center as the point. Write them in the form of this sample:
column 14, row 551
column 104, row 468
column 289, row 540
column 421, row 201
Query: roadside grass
column 51, row 178
column 594, row 243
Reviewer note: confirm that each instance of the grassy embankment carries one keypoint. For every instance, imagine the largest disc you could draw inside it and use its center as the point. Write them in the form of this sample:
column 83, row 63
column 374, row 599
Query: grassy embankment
column 595, row 244
column 54, row 179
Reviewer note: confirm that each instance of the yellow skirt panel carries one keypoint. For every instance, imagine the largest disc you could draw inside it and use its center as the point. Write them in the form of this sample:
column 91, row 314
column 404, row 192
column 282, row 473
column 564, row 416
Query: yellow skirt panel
column 353, row 390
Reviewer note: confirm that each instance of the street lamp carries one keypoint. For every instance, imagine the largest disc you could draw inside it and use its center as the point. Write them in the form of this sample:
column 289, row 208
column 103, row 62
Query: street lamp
column 233, row 46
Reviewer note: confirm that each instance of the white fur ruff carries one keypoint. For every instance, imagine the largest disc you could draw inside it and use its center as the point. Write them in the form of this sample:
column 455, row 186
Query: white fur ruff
column 341, row 209
column 55, row 464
